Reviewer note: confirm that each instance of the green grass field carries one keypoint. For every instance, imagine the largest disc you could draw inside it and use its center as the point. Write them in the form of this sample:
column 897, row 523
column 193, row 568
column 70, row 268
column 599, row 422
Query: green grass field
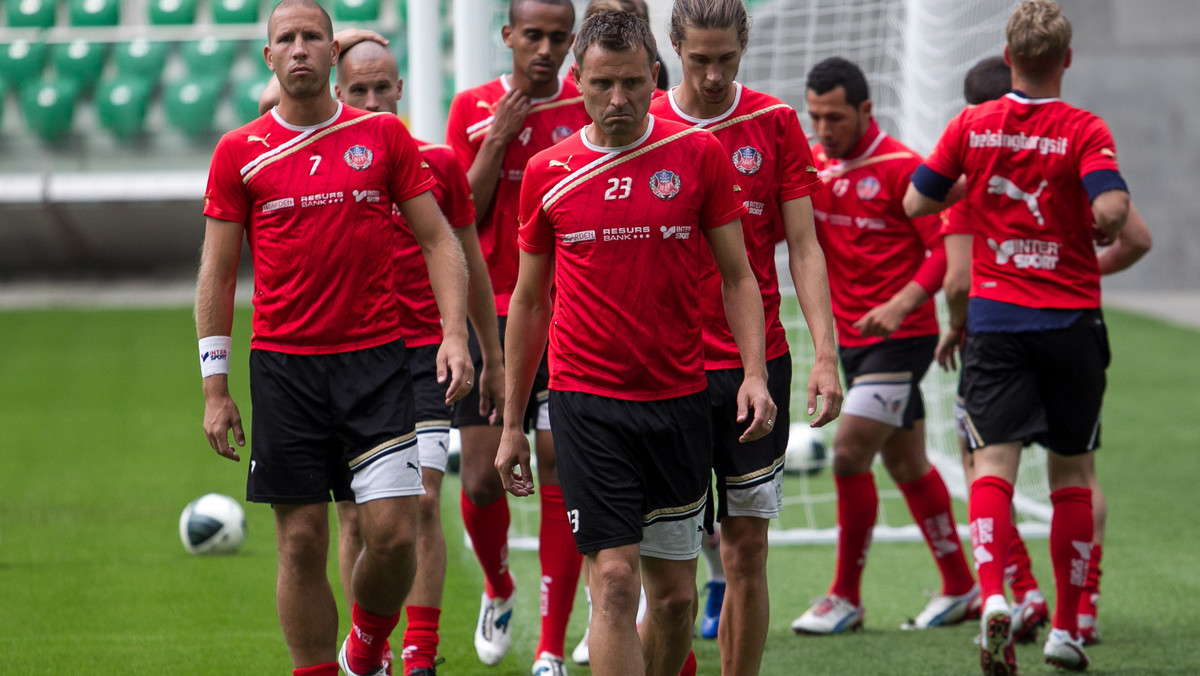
column 100, row 423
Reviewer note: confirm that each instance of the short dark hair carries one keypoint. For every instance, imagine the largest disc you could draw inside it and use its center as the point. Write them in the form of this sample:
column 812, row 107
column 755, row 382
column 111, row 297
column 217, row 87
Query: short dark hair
column 512, row 8
column 326, row 22
column 837, row 72
column 987, row 80
column 614, row 32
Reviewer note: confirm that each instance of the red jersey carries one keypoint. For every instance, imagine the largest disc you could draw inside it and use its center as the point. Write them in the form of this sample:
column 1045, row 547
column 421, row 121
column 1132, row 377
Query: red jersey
column 549, row 121
column 625, row 228
column 1025, row 160
column 316, row 203
column 957, row 219
column 422, row 321
column 872, row 249
column 763, row 140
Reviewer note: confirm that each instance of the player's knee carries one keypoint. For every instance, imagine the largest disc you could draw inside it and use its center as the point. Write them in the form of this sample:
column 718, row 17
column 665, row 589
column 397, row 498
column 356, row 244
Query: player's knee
column 674, row 604
column 615, row 587
column 744, row 554
column 906, row 467
column 430, row 506
column 303, row 545
column 850, row 459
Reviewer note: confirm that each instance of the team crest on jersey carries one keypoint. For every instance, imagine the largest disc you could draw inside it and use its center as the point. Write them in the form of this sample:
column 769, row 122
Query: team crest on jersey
column 560, row 133
column 867, row 188
column 840, row 186
column 664, row 184
column 747, row 160
column 358, row 157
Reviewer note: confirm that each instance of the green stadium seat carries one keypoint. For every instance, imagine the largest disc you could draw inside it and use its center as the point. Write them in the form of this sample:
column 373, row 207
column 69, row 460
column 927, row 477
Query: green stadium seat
column 209, row 57
column 21, row 61
column 81, row 61
column 94, row 12
column 356, row 10
column 234, row 11
column 121, row 105
column 164, row 12
column 245, row 97
column 49, row 107
column 141, row 58
column 191, row 104
column 30, row 13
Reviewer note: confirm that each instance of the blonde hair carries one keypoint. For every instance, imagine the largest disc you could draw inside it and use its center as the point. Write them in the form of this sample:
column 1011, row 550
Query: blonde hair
column 1038, row 37
column 709, row 15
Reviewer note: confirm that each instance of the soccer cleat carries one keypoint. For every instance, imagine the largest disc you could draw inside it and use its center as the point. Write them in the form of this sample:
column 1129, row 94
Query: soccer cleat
column 1089, row 623
column 580, row 654
column 944, row 610
column 493, row 630
column 1065, row 651
column 996, row 654
column 426, row 671
column 344, row 663
column 710, row 622
column 1028, row 616
column 548, row 664
column 830, row 615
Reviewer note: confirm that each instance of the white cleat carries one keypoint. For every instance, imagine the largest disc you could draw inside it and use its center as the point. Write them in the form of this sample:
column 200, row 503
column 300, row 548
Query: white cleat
column 493, row 631
column 344, row 663
column 1028, row 616
column 830, row 615
column 996, row 654
column 548, row 664
column 580, row 654
column 944, row 610
column 1065, row 651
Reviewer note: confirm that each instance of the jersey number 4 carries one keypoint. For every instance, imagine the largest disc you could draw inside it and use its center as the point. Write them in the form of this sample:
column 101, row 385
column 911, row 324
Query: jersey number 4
column 618, row 188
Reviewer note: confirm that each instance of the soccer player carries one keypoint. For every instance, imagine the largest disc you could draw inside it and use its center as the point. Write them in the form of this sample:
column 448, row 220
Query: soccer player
column 883, row 271
column 618, row 218
column 763, row 141
column 311, row 187
column 494, row 129
column 1037, row 349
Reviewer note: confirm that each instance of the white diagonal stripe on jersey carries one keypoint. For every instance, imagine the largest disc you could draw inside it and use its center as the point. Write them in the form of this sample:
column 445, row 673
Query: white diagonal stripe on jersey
column 577, row 173
column 317, row 136
column 481, row 127
column 559, row 190
column 749, row 116
column 480, row 124
column 275, row 151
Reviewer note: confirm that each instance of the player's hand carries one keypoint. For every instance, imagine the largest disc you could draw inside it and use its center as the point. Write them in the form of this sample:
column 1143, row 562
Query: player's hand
column 753, row 399
column 454, row 365
column 510, row 116
column 352, row 36
column 512, row 462
column 823, row 382
column 947, row 347
column 1100, row 237
column 881, row 321
column 491, row 391
column 221, row 416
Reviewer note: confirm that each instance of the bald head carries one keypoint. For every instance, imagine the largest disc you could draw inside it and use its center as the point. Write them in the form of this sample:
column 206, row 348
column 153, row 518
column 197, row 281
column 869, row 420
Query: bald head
column 369, row 78
column 308, row 5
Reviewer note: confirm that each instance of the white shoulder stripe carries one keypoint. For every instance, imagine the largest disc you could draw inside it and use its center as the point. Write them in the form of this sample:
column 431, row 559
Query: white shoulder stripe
column 480, row 124
column 275, row 151
column 576, row 174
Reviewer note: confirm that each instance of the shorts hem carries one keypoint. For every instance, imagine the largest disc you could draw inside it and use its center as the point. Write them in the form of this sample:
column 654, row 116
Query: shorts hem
column 315, row 499
column 390, row 493
column 755, row 514
column 669, row 556
column 610, row 543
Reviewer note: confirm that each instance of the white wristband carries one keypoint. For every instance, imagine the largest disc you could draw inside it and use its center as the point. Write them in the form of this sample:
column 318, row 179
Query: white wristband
column 214, row 355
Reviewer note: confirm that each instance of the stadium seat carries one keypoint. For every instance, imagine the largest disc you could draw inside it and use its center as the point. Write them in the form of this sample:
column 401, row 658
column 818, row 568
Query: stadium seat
column 30, row 13
column 164, row 12
column 94, row 12
column 79, row 60
column 191, row 104
column 141, row 58
column 356, row 10
column 209, row 57
column 234, row 11
column 49, row 107
column 121, row 105
column 245, row 97
column 21, row 61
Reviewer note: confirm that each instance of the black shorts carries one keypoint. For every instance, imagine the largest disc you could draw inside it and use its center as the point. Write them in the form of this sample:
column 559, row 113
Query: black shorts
column 1038, row 386
column 465, row 411
column 883, row 381
column 319, row 418
column 749, row 476
column 634, row 471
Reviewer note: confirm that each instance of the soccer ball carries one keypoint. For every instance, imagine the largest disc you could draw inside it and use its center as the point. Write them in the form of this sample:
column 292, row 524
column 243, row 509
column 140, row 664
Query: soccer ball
column 212, row 524
column 806, row 451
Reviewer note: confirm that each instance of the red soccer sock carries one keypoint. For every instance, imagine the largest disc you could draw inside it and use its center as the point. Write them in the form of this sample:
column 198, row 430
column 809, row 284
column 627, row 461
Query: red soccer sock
column 1071, row 529
column 561, row 562
column 1019, row 571
column 929, row 502
column 689, row 665
column 328, row 669
column 488, row 528
column 990, row 511
column 368, row 639
column 1087, row 604
column 857, row 508
column 420, row 637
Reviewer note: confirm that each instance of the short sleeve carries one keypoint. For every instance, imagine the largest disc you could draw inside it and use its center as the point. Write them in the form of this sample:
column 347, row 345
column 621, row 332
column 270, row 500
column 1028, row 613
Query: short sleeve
column 798, row 172
column 226, row 197
column 957, row 219
column 722, row 194
column 1097, row 150
column 409, row 175
column 456, row 201
column 456, row 131
column 536, row 232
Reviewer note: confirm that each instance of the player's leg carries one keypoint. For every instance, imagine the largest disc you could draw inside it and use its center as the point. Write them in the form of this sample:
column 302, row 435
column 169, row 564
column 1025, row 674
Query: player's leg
column 710, row 619
column 666, row 630
column 613, row 641
column 303, row 596
column 1089, row 627
column 349, row 545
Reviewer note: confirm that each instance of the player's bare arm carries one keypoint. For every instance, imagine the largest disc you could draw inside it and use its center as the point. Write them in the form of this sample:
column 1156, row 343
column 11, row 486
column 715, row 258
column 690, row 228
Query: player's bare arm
column 1110, row 210
column 743, row 309
column 882, row 320
column 1131, row 243
column 481, row 310
column 524, row 343
column 448, row 277
column 215, row 287
column 917, row 204
column 956, row 287
column 484, row 173
column 806, row 261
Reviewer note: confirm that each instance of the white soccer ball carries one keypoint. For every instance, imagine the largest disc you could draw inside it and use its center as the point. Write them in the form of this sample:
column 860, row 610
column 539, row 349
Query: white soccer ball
column 212, row 524
column 806, row 450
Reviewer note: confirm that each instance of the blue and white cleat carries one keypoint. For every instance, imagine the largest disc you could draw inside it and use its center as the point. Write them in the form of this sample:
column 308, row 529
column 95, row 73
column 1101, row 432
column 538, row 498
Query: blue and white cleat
column 830, row 615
